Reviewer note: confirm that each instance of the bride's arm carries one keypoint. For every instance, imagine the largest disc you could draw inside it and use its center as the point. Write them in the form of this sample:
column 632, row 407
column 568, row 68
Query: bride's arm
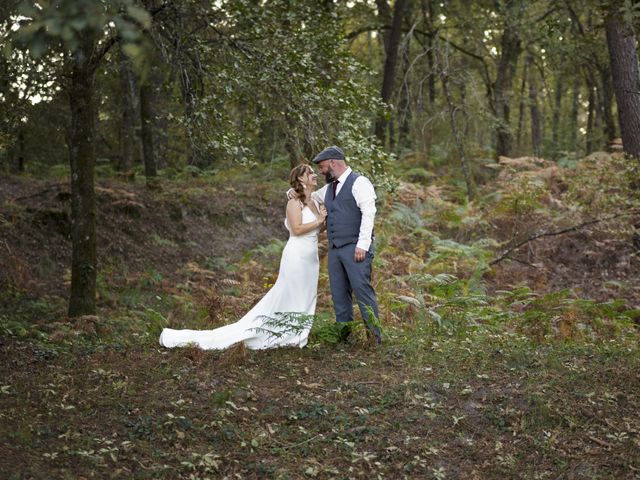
column 294, row 217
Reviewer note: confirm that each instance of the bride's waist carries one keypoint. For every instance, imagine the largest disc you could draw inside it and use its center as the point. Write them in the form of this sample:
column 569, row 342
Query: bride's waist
column 307, row 236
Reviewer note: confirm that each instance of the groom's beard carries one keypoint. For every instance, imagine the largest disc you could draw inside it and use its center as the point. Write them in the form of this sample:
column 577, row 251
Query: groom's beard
column 329, row 176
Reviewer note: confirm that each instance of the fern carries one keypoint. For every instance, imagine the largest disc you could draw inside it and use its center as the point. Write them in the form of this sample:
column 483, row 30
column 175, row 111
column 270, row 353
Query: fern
column 284, row 323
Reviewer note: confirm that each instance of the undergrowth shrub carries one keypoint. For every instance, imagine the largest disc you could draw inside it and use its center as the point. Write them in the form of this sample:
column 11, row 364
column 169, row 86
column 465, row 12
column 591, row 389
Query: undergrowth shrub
column 604, row 183
column 560, row 316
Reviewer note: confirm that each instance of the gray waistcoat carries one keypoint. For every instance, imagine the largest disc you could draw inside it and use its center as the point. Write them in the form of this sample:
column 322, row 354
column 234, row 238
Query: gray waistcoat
column 344, row 216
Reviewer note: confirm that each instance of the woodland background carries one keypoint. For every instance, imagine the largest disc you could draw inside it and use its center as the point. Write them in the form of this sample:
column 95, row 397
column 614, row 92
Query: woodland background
column 144, row 151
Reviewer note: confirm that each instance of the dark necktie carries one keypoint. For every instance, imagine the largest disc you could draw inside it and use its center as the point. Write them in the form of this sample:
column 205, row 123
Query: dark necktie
column 334, row 185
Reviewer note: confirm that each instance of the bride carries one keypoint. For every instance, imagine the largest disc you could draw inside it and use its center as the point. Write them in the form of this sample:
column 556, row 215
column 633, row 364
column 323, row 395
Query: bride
column 283, row 317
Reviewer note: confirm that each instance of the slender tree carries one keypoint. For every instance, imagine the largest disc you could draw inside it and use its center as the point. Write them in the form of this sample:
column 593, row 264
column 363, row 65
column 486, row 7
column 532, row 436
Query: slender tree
column 557, row 109
column 128, row 106
column 623, row 52
column 148, row 114
column 78, row 30
column 510, row 50
column 389, row 72
column 534, row 110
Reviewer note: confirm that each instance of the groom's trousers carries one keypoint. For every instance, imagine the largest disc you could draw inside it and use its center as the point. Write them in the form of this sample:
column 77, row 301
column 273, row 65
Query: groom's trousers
column 348, row 277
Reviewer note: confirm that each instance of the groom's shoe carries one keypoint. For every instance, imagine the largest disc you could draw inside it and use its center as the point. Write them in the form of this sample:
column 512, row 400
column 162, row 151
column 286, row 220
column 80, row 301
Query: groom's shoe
column 373, row 339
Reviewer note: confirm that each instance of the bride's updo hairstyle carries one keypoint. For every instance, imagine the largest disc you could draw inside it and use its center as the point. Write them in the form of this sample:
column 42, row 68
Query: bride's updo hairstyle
column 295, row 182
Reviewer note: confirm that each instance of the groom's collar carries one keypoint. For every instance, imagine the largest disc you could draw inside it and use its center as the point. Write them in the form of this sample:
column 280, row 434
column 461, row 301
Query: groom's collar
column 343, row 178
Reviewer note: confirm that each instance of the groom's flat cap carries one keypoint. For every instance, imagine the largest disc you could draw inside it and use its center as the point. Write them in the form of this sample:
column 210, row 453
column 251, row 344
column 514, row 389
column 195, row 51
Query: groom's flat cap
column 329, row 153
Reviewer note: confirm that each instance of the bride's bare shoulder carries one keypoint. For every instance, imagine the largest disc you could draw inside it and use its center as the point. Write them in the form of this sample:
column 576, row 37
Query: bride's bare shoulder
column 295, row 202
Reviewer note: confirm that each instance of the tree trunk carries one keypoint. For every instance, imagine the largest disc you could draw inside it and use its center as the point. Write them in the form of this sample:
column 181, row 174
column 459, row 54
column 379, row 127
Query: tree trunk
column 385, row 18
column 163, row 91
column 390, row 62
column 428, row 16
column 510, row 50
column 188, row 99
column 607, row 105
column 21, row 148
column 591, row 111
column 291, row 142
column 623, row 54
column 430, row 56
column 521, row 106
column 127, row 126
column 82, row 158
column 148, row 120
column 459, row 139
column 404, row 107
column 555, row 122
column 534, row 112
column 575, row 106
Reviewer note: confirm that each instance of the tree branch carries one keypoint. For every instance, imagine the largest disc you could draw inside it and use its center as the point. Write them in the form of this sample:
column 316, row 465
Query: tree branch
column 559, row 232
column 111, row 41
column 365, row 29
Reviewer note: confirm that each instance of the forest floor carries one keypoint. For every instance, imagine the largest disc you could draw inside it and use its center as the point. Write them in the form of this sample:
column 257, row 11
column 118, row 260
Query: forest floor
column 526, row 367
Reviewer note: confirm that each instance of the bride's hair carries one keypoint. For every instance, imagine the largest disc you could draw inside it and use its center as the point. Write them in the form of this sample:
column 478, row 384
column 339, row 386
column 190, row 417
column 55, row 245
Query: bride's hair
column 295, row 182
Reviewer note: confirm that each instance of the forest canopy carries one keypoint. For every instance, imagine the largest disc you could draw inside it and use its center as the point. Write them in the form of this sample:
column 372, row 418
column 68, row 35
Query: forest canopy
column 245, row 81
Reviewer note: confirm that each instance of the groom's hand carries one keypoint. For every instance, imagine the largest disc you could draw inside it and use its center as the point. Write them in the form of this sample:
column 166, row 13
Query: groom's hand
column 359, row 255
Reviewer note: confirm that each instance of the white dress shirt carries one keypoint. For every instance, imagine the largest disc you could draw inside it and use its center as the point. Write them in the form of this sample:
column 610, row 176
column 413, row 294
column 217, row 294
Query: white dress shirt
column 365, row 197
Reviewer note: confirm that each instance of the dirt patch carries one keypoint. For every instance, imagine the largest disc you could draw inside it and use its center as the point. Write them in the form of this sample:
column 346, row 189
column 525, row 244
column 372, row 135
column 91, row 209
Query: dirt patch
column 591, row 263
column 137, row 229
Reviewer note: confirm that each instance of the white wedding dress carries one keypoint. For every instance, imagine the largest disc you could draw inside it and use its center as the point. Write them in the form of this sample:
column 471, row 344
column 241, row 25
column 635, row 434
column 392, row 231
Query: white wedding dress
column 283, row 317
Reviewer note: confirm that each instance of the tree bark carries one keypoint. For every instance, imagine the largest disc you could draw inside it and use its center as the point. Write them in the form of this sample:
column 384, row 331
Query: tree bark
column 623, row 55
column 21, row 148
column 404, row 107
column 510, row 50
column 521, row 106
column 385, row 18
column 534, row 111
column 459, row 139
column 82, row 159
column 607, row 104
column 148, row 120
column 390, row 63
column 187, row 89
column 575, row 107
column 430, row 46
column 127, row 125
column 428, row 19
column 591, row 112
column 555, row 122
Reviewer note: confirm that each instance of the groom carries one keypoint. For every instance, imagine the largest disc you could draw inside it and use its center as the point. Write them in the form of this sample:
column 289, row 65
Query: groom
column 351, row 205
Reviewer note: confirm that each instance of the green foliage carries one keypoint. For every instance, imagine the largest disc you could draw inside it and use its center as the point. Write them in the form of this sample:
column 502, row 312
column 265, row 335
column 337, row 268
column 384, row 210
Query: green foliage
column 269, row 251
column 62, row 24
column 603, row 182
column 283, row 324
column 285, row 75
column 163, row 242
column 24, row 316
column 418, row 175
column 522, row 199
column 60, row 171
column 325, row 329
column 560, row 315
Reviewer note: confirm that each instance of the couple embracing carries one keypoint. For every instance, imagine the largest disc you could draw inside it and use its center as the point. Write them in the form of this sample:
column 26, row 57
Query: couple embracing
column 345, row 206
